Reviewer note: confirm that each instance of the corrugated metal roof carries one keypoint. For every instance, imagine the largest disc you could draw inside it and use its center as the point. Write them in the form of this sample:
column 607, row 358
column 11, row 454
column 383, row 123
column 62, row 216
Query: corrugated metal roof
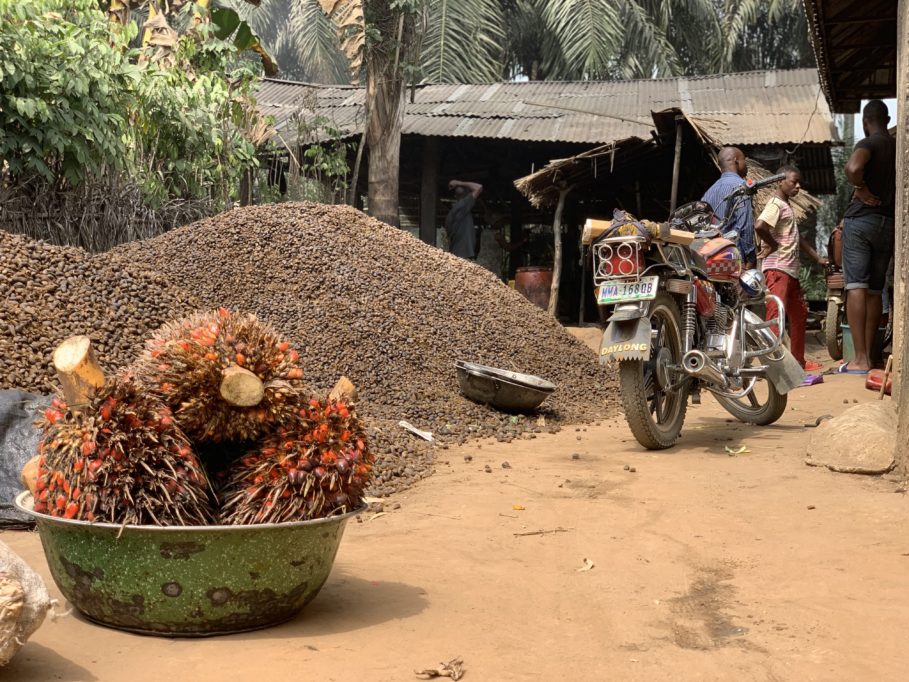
column 855, row 46
column 761, row 107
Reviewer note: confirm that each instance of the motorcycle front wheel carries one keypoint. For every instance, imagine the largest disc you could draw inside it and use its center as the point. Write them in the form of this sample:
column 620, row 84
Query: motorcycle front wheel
column 833, row 330
column 654, row 414
column 762, row 407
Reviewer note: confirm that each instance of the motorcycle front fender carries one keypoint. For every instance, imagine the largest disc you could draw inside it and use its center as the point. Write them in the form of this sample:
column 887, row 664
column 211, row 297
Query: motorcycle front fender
column 786, row 373
column 626, row 340
column 837, row 298
column 783, row 370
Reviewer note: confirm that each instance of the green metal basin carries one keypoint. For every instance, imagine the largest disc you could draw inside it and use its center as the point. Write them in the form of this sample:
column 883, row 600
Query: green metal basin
column 188, row 581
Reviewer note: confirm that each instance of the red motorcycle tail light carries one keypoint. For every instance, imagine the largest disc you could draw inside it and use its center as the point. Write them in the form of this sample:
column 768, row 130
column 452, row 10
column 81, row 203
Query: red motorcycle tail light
column 626, row 260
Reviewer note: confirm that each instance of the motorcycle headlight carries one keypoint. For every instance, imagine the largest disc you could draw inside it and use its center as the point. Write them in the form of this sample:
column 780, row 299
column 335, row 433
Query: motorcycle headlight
column 752, row 283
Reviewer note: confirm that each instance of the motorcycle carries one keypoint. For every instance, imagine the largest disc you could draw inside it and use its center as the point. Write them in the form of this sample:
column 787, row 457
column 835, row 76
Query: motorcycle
column 836, row 295
column 679, row 321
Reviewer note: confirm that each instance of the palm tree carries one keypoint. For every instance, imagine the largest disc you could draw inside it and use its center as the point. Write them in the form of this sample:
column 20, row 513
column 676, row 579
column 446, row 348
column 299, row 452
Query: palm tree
column 489, row 40
column 302, row 36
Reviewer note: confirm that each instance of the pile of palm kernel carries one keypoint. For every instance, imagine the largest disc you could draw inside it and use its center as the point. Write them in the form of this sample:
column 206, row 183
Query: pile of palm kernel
column 354, row 296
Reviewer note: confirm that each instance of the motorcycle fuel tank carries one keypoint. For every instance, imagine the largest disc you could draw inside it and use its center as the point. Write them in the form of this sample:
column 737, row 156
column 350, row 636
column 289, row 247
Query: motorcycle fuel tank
column 723, row 258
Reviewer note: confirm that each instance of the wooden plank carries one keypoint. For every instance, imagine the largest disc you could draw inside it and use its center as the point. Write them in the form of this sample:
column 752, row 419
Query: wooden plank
column 595, row 228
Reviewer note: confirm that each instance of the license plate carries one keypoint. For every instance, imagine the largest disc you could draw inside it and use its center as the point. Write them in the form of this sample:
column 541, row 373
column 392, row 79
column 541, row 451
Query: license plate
column 623, row 292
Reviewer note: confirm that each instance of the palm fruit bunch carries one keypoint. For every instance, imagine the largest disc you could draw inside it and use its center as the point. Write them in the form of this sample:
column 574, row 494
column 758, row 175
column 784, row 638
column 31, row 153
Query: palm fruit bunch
column 227, row 376
column 119, row 459
column 317, row 467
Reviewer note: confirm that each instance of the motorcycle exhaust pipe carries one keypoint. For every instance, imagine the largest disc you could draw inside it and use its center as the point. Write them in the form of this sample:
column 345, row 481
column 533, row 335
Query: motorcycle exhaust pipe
column 697, row 364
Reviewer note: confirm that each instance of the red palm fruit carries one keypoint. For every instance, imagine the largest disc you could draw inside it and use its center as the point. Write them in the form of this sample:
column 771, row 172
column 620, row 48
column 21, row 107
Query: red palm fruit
column 111, row 462
column 199, row 350
column 312, row 462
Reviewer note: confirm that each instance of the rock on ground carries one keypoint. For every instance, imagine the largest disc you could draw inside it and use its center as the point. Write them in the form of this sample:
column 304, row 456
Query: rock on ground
column 860, row 441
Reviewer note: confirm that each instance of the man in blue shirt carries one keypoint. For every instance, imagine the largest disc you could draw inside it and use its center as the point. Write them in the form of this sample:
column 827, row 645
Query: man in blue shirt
column 734, row 167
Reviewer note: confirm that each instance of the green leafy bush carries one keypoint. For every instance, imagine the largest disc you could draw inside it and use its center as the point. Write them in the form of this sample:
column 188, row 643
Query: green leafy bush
column 64, row 91
column 77, row 104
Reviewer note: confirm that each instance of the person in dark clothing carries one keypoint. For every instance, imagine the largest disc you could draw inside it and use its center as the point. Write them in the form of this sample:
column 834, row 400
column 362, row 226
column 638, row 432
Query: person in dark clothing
column 462, row 235
column 868, row 232
column 734, row 167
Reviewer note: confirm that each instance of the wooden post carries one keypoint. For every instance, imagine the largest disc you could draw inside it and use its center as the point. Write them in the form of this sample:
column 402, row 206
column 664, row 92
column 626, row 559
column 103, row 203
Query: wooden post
column 676, row 163
column 429, row 190
column 557, row 256
column 899, row 309
column 246, row 187
column 583, row 287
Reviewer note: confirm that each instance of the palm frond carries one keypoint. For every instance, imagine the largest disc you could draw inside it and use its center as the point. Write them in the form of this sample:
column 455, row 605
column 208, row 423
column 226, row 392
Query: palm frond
column 589, row 34
column 464, row 42
column 311, row 36
column 647, row 52
column 347, row 16
column 740, row 15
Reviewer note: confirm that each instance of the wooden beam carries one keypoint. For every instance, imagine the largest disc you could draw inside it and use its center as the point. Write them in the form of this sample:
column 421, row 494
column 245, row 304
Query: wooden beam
column 676, row 163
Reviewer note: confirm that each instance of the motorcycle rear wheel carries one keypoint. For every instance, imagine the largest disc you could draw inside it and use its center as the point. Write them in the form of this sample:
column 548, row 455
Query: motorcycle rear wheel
column 655, row 415
column 833, row 331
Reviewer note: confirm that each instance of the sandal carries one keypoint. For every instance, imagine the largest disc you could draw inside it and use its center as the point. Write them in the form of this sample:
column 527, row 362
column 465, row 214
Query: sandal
column 844, row 369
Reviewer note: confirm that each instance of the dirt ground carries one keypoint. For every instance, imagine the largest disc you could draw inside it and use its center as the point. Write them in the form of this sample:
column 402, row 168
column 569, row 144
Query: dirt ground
column 706, row 566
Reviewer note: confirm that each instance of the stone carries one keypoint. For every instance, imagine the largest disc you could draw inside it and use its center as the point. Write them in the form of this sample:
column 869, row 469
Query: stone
column 862, row 440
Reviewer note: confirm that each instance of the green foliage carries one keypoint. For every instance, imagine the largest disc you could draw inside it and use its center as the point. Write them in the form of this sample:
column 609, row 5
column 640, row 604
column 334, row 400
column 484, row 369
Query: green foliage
column 814, row 283
column 834, row 207
column 64, row 88
column 323, row 172
column 76, row 104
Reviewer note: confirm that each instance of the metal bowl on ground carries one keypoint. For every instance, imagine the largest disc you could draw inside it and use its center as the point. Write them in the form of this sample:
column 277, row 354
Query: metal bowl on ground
column 188, row 581
column 504, row 390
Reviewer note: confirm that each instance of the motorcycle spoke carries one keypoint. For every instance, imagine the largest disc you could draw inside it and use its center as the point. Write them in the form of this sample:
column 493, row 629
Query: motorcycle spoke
column 753, row 399
column 658, row 406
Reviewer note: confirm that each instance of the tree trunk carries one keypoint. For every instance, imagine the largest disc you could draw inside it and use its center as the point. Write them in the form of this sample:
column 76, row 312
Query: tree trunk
column 557, row 255
column 385, row 94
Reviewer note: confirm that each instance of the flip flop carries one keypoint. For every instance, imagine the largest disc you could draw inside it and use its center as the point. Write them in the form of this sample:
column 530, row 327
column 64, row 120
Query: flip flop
column 812, row 366
column 844, row 369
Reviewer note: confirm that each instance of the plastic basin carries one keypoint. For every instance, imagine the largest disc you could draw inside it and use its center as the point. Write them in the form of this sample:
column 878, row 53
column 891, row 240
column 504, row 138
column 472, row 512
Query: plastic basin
column 188, row 581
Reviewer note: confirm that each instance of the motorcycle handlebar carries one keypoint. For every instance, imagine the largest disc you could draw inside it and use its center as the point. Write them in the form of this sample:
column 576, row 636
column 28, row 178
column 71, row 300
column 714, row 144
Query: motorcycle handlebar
column 746, row 189
column 766, row 181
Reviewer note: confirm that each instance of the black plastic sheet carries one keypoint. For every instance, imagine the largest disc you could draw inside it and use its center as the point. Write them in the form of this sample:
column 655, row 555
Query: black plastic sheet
column 18, row 444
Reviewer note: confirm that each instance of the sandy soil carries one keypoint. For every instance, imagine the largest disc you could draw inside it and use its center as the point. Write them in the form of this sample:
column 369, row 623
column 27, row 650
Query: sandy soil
column 706, row 566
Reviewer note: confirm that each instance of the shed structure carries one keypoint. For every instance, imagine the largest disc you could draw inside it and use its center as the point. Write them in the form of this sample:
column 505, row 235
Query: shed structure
column 497, row 133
